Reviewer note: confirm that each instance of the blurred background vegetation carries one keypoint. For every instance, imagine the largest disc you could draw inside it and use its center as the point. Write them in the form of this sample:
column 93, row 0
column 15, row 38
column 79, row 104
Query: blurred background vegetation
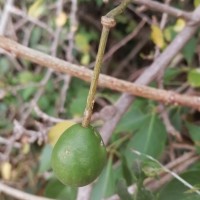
column 33, row 99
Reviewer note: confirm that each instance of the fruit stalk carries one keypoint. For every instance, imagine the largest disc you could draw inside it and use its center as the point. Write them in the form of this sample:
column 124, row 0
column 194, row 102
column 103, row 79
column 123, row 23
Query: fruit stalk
column 97, row 68
column 108, row 22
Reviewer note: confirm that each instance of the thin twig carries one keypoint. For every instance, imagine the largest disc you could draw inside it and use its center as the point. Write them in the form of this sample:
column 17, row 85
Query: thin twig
column 5, row 17
column 141, row 43
column 18, row 194
column 46, row 117
column 19, row 12
column 154, row 5
column 69, row 53
column 7, row 142
column 124, row 41
column 168, row 125
column 140, row 14
column 72, row 31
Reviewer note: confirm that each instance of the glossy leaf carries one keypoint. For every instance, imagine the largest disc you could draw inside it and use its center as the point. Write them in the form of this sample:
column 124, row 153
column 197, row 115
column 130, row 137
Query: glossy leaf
column 144, row 194
column 127, row 173
column 150, row 138
column 122, row 190
column 171, row 74
column 189, row 49
column 176, row 190
column 105, row 184
column 77, row 106
column 169, row 33
column 132, row 120
column 55, row 189
column 45, row 159
column 27, row 93
column 194, row 132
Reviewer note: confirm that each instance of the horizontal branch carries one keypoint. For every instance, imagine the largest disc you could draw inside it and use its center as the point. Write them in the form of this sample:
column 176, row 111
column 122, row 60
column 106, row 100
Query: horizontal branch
column 168, row 97
column 164, row 8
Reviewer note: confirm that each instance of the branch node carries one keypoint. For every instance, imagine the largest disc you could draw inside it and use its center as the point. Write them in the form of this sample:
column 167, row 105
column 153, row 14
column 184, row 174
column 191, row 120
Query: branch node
column 108, row 22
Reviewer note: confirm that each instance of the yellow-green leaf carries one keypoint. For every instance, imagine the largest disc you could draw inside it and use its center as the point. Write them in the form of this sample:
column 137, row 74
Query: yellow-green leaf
column 85, row 59
column 56, row 131
column 36, row 9
column 61, row 19
column 180, row 24
column 194, row 77
column 82, row 42
column 157, row 36
column 26, row 148
column 6, row 169
column 196, row 3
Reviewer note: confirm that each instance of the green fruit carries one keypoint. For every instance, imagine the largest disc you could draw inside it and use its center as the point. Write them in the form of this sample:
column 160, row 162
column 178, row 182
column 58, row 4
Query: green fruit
column 79, row 156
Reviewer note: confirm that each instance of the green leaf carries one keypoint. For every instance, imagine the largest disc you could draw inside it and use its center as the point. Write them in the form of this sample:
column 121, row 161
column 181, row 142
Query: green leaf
column 122, row 19
column 25, row 77
column 169, row 33
column 122, row 190
column 28, row 92
column 175, row 190
column 132, row 120
column 44, row 103
column 55, row 189
column 150, row 139
column 77, row 105
column 4, row 66
column 194, row 132
column 76, row 97
column 189, row 49
column 45, row 159
column 127, row 173
column 131, row 26
column 35, row 37
column 105, row 184
column 194, row 77
column 99, row 2
column 3, row 110
column 171, row 74
column 151, row 168
column 144, row 194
